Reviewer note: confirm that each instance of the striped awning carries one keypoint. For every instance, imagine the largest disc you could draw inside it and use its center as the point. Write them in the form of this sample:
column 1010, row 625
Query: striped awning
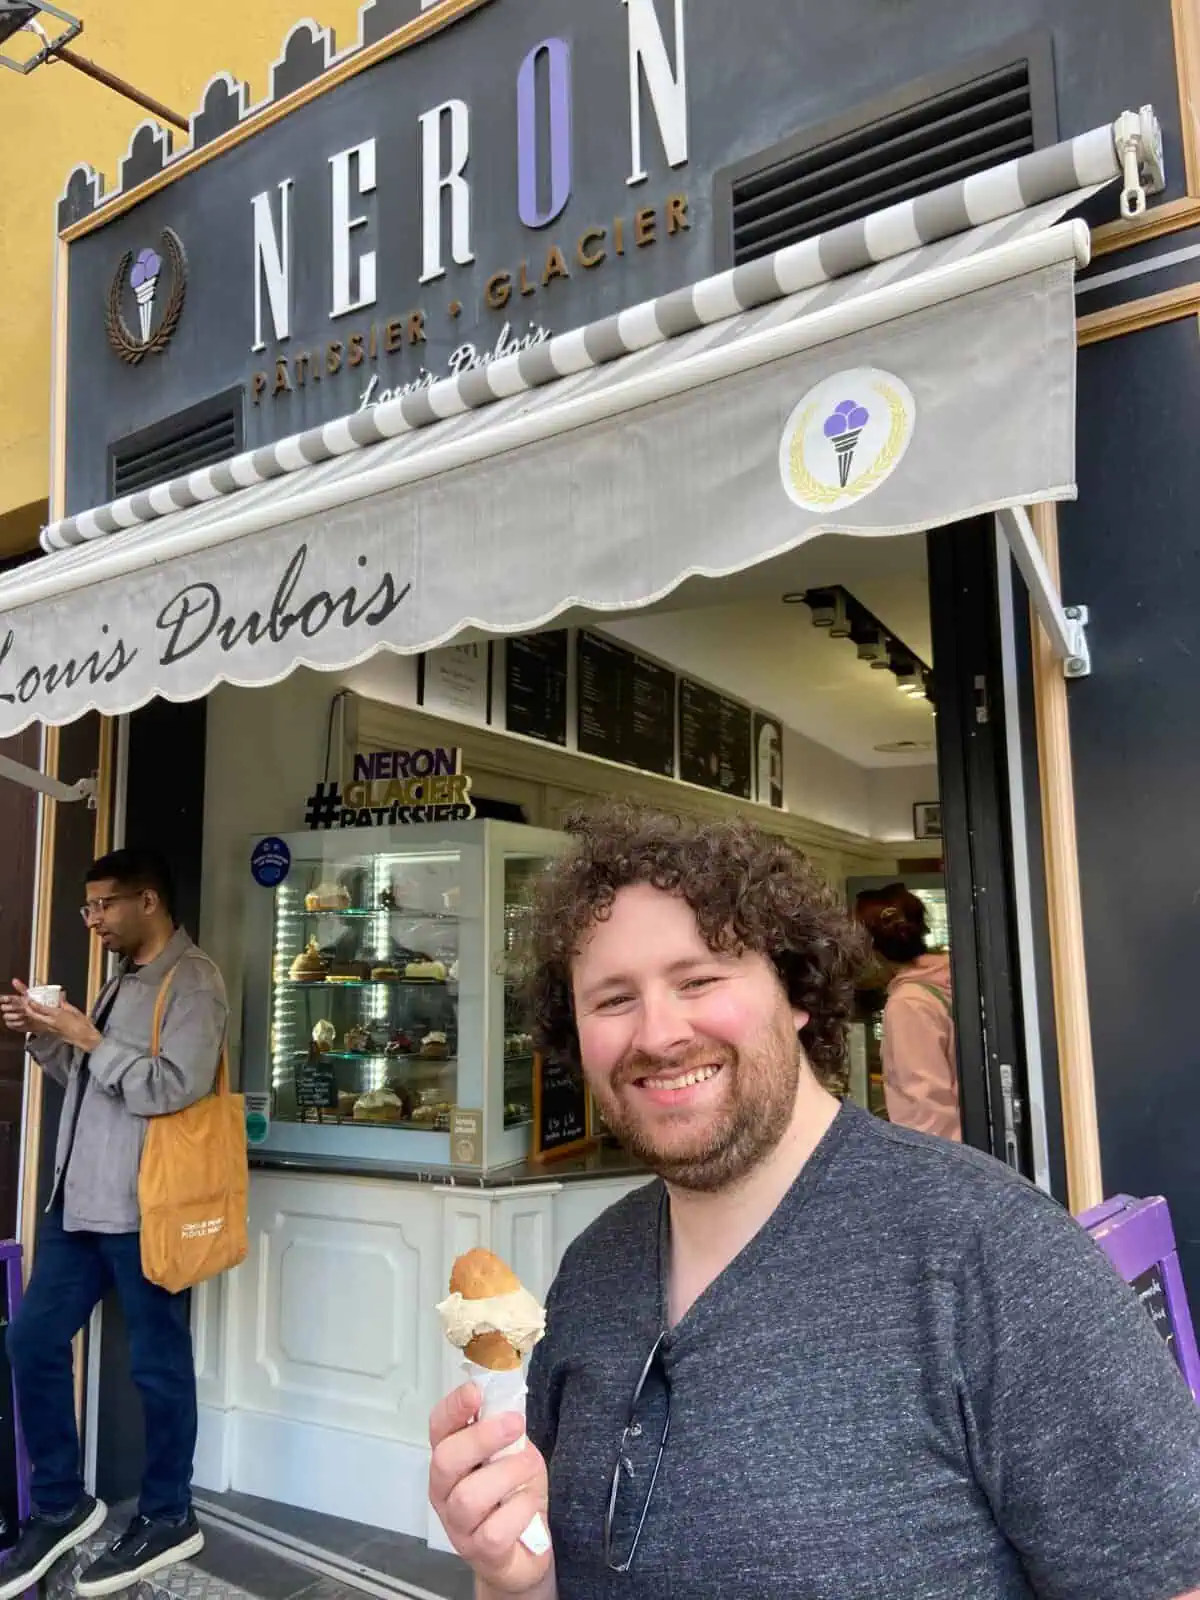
column 896, row 374
column 1008, row 202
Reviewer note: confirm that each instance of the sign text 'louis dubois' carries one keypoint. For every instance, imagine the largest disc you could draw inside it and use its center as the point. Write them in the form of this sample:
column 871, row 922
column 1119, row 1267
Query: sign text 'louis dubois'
column 202, row 617
column 442, row 212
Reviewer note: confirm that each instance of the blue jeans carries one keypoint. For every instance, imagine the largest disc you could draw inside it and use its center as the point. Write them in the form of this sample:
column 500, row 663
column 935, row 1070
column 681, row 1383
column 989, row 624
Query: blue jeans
column 72, row 1272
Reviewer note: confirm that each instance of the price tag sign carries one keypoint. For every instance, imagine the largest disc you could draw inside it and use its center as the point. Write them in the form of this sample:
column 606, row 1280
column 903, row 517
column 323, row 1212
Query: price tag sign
column 258, row 1117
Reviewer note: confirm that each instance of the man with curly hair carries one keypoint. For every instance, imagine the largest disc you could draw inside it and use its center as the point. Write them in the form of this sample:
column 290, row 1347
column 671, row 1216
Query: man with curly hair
column 821, row 1358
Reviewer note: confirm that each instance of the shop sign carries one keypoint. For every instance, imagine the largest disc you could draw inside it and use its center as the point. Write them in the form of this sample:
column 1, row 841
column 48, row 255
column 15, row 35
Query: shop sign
column 391, row 788
column 355, row 248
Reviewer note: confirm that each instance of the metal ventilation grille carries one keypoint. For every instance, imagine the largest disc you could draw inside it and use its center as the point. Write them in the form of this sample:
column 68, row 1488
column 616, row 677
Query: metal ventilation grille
column 962, row 130
column 198, row 437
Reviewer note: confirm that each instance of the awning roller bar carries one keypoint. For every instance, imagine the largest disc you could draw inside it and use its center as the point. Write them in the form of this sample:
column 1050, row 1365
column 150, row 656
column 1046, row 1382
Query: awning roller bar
column 1066, row 626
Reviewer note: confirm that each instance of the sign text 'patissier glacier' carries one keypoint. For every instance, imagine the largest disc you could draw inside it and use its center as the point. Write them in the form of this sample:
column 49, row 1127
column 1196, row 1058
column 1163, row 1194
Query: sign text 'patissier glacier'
column 200, row 615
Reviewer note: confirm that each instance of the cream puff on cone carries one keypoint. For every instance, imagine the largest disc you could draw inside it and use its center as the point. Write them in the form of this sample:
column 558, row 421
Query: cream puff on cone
column 493, row 1319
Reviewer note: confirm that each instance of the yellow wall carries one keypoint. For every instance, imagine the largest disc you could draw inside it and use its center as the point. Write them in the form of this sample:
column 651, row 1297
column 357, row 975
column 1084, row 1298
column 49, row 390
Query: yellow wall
column 55, row 118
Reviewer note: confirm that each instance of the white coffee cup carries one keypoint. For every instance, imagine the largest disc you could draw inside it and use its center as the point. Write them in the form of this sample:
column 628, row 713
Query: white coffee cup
column 47, row 995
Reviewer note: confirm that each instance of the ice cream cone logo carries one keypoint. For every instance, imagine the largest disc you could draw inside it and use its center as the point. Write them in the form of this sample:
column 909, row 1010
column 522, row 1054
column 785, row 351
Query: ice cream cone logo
column 845, row 438
column 143, row 280
column 143, row 273
column 843, row 428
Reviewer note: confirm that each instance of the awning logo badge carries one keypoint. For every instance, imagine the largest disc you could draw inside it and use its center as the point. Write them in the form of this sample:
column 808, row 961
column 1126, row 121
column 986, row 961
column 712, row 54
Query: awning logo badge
column 143, row 273
column 845, row 438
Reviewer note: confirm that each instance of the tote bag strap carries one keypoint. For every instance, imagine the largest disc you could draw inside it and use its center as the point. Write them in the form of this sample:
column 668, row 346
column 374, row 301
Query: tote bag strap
column 221, row 1083
column 937, row 994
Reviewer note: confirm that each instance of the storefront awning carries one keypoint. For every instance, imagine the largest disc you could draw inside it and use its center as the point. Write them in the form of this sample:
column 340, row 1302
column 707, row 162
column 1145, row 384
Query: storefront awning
column 889, row 376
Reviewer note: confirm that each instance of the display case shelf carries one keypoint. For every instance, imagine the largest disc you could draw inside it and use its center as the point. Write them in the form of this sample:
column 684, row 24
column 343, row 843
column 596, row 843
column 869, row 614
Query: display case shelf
column 405, row 913
column 317, row 984
column 484, row 871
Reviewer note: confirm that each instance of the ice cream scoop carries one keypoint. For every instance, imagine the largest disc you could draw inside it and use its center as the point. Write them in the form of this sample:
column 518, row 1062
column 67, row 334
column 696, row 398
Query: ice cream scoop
column 490, row 1315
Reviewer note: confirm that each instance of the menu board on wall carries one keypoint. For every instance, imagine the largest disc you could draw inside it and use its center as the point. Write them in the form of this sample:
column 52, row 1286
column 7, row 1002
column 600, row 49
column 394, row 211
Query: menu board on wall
column 714, row 740
column 626, row 706
column 535, row 686
column 457, row 681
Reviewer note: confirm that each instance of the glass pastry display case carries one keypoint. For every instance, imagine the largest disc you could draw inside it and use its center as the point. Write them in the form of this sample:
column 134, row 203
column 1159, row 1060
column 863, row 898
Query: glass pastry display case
column 382, row 1013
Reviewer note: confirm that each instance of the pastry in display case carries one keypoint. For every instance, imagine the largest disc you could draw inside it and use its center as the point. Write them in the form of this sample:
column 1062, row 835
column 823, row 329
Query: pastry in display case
column 389, row 1001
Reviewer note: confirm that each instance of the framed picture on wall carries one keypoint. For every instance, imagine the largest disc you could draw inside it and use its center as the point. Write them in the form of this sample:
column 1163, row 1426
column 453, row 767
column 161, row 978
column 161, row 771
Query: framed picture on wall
column 927, row 819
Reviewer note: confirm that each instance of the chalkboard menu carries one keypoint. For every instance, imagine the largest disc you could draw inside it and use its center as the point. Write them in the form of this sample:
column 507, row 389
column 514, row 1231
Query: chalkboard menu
column 714, row 740
column 561, row 1123
column 535, row 686
column 1151, row 1291
column 316, row 1087
column 626, row 706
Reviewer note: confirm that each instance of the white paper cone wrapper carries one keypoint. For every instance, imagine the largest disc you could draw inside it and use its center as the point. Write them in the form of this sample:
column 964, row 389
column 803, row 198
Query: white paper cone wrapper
column 505, row 1392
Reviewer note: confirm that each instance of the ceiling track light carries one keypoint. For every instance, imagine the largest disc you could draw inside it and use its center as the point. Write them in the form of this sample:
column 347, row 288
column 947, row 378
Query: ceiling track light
column 845, row 617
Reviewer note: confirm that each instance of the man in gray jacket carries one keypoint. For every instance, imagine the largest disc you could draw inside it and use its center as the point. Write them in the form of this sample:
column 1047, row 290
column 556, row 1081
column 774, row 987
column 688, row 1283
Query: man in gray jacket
column 89, row 1239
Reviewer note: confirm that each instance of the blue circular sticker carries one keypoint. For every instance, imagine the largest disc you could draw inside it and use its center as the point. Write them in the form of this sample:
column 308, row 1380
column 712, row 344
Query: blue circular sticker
column 270, row 862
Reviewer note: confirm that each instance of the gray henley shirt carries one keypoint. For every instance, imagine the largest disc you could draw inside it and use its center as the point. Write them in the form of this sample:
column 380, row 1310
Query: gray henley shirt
column 920, row 1381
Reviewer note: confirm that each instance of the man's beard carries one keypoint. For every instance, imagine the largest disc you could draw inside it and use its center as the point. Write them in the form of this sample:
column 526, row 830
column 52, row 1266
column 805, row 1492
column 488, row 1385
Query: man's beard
column 730, row 1140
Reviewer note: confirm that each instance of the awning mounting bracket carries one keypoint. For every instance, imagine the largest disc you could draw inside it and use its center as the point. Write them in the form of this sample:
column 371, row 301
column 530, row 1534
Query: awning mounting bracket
column 1139, row 146
column 1065, row 626
column 43, row 783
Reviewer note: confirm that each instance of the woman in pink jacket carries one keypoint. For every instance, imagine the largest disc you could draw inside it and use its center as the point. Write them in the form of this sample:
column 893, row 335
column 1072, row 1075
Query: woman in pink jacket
column 920, row 1067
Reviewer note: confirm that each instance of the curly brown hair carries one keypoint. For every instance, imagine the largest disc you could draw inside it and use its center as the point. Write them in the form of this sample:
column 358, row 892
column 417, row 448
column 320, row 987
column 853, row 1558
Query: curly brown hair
column 749, row 890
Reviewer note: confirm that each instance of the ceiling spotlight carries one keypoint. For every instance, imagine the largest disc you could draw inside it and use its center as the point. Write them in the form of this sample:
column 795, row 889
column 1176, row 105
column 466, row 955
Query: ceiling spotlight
column 823, row 603
column 872, row 647
column 910, row 683
column 840, row 627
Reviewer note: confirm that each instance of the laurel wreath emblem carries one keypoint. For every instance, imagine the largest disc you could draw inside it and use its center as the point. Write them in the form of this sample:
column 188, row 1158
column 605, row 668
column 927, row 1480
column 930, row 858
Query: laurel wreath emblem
column 814, row 492
column 122, row 338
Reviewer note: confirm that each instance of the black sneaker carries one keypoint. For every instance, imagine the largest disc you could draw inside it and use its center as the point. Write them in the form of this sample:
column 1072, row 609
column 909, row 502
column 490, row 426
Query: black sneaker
column 42, row 1543
column 143, row 1549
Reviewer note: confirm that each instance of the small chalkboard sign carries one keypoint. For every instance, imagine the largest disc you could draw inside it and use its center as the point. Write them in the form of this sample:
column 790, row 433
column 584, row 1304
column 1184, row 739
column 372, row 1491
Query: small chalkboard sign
column 1152, row 1292
column 1139, row 1240
column 562, row 1123
column 316, row 1087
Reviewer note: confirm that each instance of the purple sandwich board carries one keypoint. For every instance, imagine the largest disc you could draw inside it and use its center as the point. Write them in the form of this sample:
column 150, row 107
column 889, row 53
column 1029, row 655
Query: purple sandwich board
column 14, row 1462
column 1137, row 1237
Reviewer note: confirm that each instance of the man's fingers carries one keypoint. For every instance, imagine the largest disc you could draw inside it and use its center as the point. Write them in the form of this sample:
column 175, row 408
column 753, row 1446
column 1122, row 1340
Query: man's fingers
column 476, row 1498
column 496, row 1540
column 19, row 987
column 465, row 1452
column 454, row 1413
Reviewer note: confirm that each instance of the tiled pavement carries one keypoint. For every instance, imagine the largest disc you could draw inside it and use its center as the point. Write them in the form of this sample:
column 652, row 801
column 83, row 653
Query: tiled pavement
column 230, row 1568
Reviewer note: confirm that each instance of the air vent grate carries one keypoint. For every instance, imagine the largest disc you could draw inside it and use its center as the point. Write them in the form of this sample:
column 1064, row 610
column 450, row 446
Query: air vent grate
column 198, row 437
column 962, row 130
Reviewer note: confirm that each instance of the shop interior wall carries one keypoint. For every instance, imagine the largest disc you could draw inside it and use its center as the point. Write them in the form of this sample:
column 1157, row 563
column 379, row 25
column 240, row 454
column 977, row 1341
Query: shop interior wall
column 267, row 748
column 1131, row 552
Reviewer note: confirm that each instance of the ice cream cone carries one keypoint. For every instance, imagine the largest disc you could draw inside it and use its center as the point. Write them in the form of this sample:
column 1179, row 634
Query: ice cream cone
column 844, row 444
column 145, row 304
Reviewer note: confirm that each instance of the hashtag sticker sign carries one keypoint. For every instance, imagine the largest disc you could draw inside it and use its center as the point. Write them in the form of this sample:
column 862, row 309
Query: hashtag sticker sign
column 323, row 808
